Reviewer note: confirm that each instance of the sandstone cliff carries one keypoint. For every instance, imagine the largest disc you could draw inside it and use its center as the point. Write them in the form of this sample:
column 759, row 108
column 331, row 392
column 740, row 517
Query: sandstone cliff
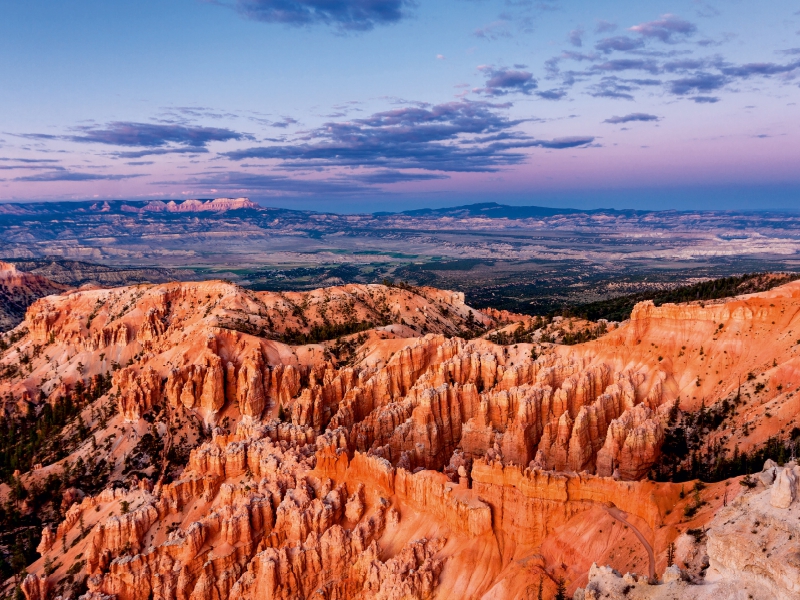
column 420, row 465
column 18, row 290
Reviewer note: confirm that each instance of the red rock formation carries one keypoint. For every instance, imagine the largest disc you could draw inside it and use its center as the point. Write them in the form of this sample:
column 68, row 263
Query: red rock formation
column 19, row 289
column 35, row 587
column 250, row 387
column 632, row 444
column 201, row 384
column 139, row 391
column 353, row 492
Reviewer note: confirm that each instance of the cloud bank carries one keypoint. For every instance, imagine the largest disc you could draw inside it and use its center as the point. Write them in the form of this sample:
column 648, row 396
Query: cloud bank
column 350, row 15
column 460, row 136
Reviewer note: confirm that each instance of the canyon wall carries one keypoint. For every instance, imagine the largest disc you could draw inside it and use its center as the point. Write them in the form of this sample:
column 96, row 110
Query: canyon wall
column 237, row 463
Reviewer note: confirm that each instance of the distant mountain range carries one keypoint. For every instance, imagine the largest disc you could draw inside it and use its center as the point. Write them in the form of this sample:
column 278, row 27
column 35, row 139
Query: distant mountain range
column 493, row 210
column 486, row 210
column 216, row 205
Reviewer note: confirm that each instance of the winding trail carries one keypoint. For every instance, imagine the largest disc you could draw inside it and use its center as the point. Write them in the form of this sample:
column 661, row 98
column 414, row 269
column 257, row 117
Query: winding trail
column 621, row 516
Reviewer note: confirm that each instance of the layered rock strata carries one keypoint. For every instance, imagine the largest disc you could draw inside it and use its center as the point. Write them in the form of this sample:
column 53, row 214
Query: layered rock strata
column 383, row 475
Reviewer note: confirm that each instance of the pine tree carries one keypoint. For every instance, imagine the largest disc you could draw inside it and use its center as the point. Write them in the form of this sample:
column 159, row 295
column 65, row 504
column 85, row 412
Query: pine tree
column 674, row 411
column 561, row 590
column 670, row 554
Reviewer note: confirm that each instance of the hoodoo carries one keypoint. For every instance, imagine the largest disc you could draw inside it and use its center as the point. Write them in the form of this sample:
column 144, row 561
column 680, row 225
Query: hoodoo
column 367, row 441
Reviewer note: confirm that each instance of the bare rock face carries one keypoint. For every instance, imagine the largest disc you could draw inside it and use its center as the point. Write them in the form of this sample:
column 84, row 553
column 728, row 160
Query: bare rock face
column 755, row 539
column 607, row 584
column 139, row 391
column 70, row 497
column 121, row 532
column 354, row 509
column 768, row 474
column 673, row 573
column 428, row 466
column 784, row 490
column 250, row 387
column 199, row 385
column 35, row 587
column 19, row 289
column 632, row 445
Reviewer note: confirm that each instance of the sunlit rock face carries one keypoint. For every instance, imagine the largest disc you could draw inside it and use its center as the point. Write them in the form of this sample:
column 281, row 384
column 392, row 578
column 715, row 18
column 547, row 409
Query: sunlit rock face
column 18, row 290
column 391, row 457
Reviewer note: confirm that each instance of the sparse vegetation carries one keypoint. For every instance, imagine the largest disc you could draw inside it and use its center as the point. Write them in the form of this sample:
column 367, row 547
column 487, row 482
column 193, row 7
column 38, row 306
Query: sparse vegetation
column 322, row 333
column 619, row 309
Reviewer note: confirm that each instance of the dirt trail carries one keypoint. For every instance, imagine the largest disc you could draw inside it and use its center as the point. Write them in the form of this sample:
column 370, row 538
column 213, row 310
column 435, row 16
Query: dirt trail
column 621, row 516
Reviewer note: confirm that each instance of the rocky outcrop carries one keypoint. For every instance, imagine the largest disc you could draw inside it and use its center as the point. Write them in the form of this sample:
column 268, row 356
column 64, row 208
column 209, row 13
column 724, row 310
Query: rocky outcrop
column 18, row 290
column 152, row 326
column 784, row 489
column 35, row 587
column 754, row 540
column 632, row 444
column 529, row 504
column 123, row 532
column 250, row 387
column 215, row 205
column 115, row 334
column 139, row 391
column 310, row 480
column 200, row 385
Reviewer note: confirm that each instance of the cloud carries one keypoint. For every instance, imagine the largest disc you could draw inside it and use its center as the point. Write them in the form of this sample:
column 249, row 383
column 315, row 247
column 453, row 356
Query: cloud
column 391, row 176
column 235, row 180
column 158, row 152
column 686, row 64
column 346, row 15
column 564, row 142
column 494, row 30
column 699, row 78
column 25, row 167
column 154, row 135
column 31, row 160
column 604, row 26
column 551, row 94
column 461, row 136
column 284, row 122
column 505, row 81
column 618, row 43
column 707, row 11
column 613, row 87
column 579, row 56
column 576, row 37
column 198, row 112
column 765, row 69
column 699, row 82
column 627, row 64
column 632, row 117
column 666, row 29
column 36, row 136
column 65, row 175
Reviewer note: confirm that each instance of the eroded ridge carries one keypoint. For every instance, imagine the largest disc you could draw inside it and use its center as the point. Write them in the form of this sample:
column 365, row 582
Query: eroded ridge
column 398, row 461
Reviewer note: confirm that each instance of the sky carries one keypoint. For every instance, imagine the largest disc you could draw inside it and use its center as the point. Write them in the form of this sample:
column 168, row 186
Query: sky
column 374, row 105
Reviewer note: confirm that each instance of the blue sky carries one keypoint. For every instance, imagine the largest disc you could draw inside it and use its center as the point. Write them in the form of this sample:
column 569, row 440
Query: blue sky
column 352, row 105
